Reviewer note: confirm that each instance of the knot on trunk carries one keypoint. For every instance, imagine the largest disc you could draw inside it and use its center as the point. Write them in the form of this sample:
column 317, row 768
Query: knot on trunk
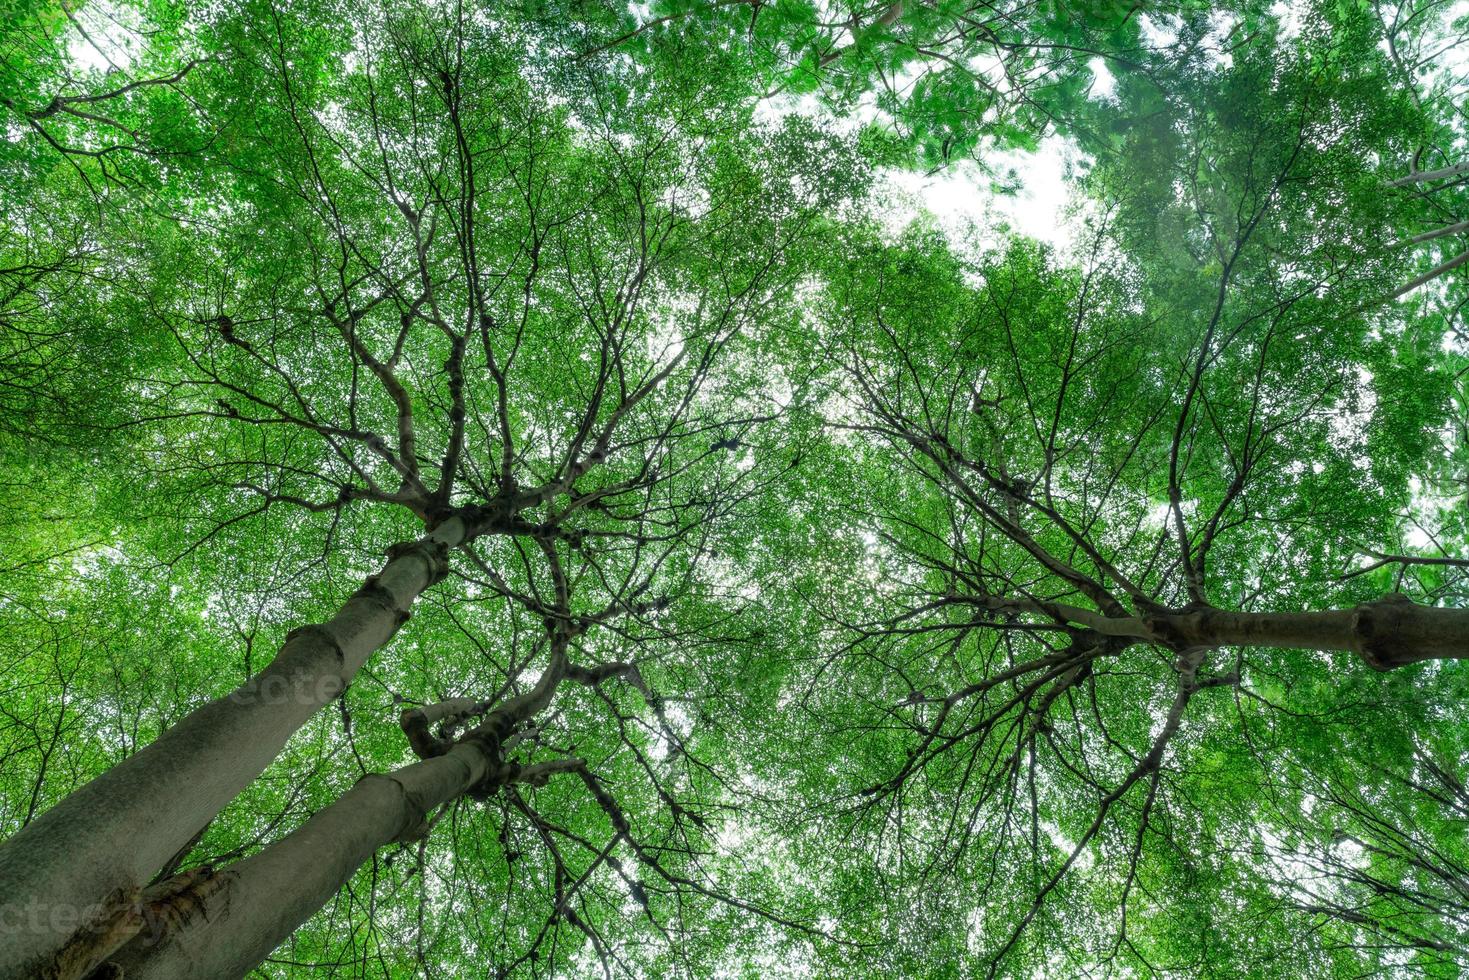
column 433, row 554
column 415, row 725
column 132, row 917
column 490, row 737
column 310, row 633
column 375, row 592
column 1382, row 639
column 1179, row 629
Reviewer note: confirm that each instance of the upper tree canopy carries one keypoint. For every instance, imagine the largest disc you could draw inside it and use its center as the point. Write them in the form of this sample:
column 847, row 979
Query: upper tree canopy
column 895, row 570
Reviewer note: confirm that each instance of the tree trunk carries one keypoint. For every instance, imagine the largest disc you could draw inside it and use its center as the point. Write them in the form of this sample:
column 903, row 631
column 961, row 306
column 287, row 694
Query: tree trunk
column 261, row 900
column 86, row 859
column 1387, row 633
column 254, row 905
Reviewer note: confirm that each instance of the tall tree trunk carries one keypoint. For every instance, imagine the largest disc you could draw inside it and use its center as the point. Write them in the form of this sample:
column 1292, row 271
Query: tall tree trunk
column 251, row 907
column 90, row 855
column 258, row 902
column 1387, row 633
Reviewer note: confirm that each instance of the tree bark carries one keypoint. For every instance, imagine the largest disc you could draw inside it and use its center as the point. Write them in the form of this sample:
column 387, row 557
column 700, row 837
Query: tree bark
column 261, row 900
column 1386, row 633
column 1423, row 176
column 77, row 867
column 258, row 902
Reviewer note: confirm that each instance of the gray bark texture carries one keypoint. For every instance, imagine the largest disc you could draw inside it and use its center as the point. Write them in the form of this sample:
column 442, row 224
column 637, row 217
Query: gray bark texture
column 67, row 877
column 261, row 900
column 258, row 902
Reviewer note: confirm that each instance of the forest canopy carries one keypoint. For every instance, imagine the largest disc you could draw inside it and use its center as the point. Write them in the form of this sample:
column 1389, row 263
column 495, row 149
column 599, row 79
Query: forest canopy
column 552, row 488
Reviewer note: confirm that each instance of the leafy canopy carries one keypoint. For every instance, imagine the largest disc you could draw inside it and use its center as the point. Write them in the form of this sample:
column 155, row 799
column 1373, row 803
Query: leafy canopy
column 281, row 284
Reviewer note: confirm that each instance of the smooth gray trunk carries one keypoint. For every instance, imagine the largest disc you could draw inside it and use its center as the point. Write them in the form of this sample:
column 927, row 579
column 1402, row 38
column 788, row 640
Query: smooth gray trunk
column 1387, row 633
column 246, row 910
column 1424, row 176
column 252, row 906
column 89, row 856
column 261, row 900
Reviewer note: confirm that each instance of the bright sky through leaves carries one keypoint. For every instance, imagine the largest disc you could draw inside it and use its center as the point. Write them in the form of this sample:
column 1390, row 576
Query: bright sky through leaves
column 718, row 488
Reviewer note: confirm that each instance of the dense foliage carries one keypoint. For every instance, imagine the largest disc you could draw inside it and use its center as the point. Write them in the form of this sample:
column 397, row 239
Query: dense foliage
column 863, row 589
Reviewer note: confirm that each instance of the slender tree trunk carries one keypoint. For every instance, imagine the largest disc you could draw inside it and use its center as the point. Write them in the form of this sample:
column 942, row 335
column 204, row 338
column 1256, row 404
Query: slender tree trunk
column 1423, row 176
column 1387, row 633
column 88, row 857
column 261, row 900
column 252, row 906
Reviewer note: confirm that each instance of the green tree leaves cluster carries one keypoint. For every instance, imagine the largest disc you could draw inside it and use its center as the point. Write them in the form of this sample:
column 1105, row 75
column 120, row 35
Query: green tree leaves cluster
column 912, row 597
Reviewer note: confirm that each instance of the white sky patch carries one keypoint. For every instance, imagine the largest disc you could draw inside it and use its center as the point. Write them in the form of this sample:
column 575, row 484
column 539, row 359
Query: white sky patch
column 1105, row 84
column 963, row 200
column 110, row 40
column 1446, row 61
column 770, row 112
column 1348, row 423
column 682, row 725
column 1288, row 15
column 1427, row 511
column 1157, row 32
column 1157, row 516
column 1221, row 28
column 961, row 196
